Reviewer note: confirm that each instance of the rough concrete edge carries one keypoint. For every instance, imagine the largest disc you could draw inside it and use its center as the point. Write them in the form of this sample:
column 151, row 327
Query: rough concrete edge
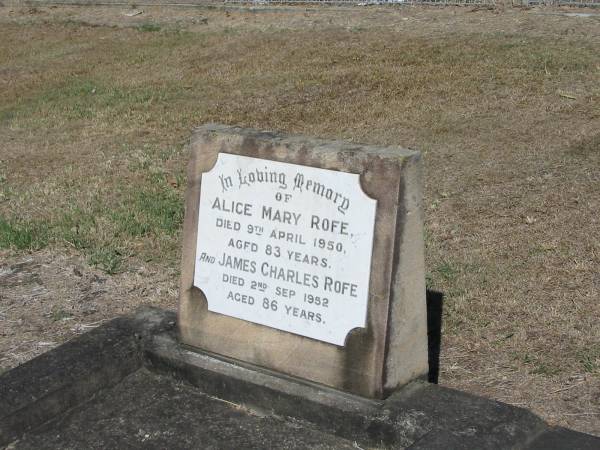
column 54, row 382
column 369, row 422
column 164, row 345
column 262, row 390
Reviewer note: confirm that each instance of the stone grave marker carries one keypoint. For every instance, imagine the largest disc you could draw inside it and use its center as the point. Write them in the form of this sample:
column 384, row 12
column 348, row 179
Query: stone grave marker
column 305, row 257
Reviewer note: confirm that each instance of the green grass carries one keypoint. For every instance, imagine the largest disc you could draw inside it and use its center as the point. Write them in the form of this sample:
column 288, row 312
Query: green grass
column 106, row 258
column 589, row 358
column 447, row 271
column 23, row 235
column 146, row 212
column 149, row 27
column 107, row 233
column 142, row 217
column 83, row 99
column 537, row 366
column 545, row 369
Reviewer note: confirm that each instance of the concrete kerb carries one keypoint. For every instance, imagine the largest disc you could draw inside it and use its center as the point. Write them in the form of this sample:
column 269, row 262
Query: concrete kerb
column 419, row 415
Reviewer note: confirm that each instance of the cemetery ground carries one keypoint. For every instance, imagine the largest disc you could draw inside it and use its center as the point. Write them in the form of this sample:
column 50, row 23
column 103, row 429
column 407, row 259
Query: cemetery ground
column 96, row 105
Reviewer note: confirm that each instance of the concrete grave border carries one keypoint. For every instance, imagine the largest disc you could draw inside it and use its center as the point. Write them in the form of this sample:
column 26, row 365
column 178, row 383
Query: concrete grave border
column 44, row 394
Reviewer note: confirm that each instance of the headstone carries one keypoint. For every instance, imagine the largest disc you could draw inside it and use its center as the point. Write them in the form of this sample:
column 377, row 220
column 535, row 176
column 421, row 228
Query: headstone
column 305, row 257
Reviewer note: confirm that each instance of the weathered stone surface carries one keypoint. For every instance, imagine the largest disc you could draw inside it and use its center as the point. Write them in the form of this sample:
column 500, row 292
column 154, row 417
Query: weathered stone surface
column 44, row 387
column 420, row 415
column 153, row 412
column 38, row 390
column 565, row 439
column 331, row 410
column 392, row 349
column 436, row 417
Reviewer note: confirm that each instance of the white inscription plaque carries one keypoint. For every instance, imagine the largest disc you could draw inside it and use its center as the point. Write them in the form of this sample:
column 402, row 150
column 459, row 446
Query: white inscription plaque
column 285, row 246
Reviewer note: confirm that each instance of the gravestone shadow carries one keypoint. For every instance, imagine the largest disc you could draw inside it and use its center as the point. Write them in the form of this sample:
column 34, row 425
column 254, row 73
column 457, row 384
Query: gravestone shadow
column 435, row 306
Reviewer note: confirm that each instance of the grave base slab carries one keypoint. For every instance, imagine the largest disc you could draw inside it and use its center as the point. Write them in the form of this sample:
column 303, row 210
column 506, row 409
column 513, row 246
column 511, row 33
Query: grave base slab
column 130, row 384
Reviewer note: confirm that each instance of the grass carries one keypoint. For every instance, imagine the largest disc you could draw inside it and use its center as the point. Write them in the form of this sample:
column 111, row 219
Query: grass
column 83, row 100
column 94, row 123
column 59, row 314
column 446, row 271
column 105, row 233
column 22, row 235
column 149, row 27
column 589, row 358
column 109, row 259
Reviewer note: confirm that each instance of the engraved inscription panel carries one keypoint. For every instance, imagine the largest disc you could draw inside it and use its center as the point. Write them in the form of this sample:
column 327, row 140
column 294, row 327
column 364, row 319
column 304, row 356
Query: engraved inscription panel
column 285, row 246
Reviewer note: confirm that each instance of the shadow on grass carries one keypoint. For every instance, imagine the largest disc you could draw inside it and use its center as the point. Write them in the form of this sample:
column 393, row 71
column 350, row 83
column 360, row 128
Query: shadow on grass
column 435, row 304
